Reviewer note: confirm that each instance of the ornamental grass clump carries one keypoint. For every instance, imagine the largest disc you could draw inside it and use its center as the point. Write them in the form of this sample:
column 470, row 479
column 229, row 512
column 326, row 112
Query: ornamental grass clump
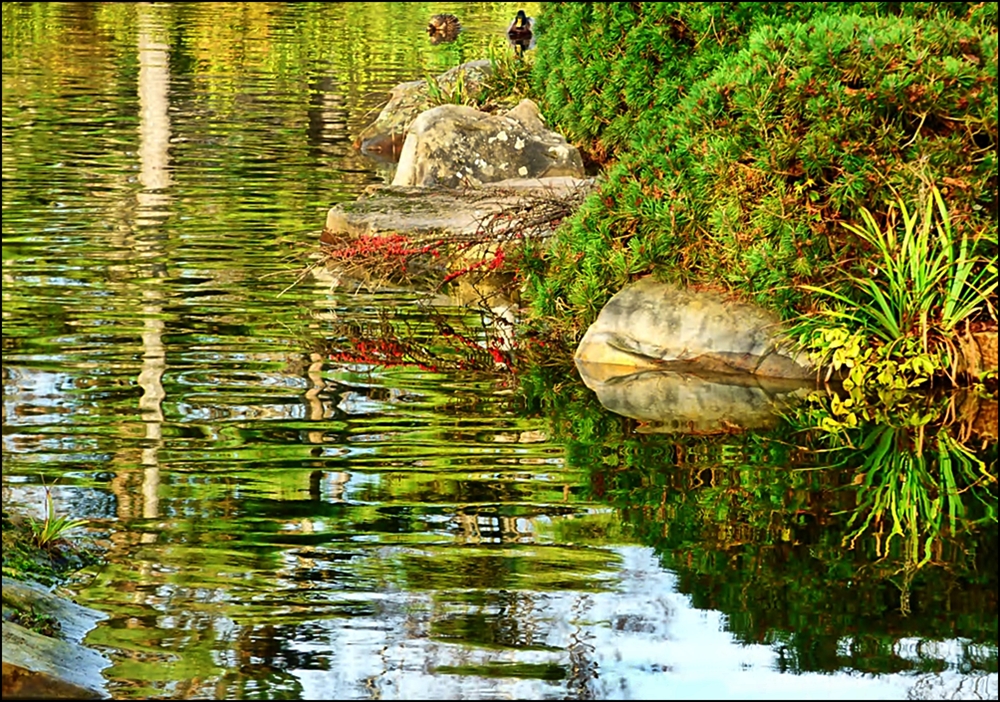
column 457, row 93
column 893, row 321
column 508, row 83
column 53, row 529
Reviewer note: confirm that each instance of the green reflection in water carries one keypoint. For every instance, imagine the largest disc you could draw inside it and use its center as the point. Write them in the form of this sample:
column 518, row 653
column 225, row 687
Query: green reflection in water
column 919, row 479
column 507, row 670
column 836, row 548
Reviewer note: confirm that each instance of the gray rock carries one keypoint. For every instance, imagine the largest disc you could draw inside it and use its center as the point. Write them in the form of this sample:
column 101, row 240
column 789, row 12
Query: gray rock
column 41, row 667
column 455, row 145
column 75, row 621
column 384, row 137
column 650, row 323
column 44, row 667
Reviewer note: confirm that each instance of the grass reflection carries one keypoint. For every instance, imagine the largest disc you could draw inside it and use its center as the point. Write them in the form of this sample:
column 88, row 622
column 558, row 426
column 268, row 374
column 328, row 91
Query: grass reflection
column 915, row 477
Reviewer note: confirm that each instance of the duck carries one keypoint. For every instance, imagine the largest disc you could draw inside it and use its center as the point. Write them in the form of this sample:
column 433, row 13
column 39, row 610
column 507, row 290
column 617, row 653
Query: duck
column 442, row 28
column 521, row 31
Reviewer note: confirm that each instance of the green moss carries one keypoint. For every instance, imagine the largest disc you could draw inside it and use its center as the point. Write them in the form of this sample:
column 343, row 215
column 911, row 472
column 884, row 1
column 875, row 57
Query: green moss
column 24, row 560
column 31, row 618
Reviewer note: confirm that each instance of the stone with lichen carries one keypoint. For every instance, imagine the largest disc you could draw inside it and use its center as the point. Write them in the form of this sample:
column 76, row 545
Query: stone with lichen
column 455, row 145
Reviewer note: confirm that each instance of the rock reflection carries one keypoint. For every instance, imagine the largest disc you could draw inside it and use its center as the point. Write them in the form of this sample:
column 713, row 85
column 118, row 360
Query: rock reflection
column 689, row 401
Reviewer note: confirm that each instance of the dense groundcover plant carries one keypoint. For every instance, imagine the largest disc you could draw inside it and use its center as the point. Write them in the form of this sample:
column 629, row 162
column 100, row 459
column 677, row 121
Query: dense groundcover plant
column 739, row 140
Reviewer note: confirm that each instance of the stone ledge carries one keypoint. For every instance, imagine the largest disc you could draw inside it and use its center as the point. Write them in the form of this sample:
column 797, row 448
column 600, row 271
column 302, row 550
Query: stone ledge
column 44, row 667
column 415, row 211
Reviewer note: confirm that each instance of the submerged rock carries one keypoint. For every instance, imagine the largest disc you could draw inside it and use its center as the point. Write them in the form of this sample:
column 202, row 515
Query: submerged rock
column 455, row 145
column 651, row 325
column 45, row 667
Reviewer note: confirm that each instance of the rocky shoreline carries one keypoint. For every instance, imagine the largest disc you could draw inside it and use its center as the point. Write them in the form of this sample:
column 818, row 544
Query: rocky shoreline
column 41, row 666
column 454, row 174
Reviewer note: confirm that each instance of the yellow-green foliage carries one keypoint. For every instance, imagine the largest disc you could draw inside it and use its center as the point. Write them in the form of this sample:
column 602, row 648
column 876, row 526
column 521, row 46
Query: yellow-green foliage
column 914, row 291
column 744, row 136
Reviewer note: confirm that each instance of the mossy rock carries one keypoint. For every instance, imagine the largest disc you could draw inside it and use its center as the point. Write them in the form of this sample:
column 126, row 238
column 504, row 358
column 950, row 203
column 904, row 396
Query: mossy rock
column 384, row 137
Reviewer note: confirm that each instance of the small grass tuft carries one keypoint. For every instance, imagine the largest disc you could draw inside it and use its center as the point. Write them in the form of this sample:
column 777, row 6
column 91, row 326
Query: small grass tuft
column 53, row 529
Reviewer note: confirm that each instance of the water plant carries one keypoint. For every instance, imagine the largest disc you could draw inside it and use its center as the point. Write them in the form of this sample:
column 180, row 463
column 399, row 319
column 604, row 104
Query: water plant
column 53, row 529
column 39, row 549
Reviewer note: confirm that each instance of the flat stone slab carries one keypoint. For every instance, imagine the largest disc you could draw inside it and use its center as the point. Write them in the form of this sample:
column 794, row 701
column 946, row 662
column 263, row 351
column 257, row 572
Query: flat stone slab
column 415, row 211
column 45, row 667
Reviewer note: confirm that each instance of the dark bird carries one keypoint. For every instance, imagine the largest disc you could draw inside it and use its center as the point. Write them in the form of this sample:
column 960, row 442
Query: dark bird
column 521, row 31
column 443, row 28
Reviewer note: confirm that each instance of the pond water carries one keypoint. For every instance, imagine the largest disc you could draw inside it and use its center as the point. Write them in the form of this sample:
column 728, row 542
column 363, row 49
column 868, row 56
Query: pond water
column 283, row 520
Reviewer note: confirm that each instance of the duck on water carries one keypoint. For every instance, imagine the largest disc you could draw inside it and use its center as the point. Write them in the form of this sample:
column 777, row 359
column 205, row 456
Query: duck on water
column 443, row 28
column 521, row 32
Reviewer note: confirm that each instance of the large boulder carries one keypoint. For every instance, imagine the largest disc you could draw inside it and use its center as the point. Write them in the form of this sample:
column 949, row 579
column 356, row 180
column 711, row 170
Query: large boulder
column 653, row 325
column 455, row 145
column 384, row 137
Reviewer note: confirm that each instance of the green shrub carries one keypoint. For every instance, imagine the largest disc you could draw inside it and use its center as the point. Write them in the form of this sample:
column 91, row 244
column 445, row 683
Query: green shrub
column 745, row 183
column 601, row 67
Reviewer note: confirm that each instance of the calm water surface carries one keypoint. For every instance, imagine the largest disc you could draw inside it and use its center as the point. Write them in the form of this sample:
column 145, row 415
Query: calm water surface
column 284, row 524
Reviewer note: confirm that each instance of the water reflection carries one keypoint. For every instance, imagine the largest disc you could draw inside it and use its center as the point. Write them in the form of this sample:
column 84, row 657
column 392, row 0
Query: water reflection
column 154, row 206
column 687, row 399
column 285, row 518
column 862, row 556
column 918, row 476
